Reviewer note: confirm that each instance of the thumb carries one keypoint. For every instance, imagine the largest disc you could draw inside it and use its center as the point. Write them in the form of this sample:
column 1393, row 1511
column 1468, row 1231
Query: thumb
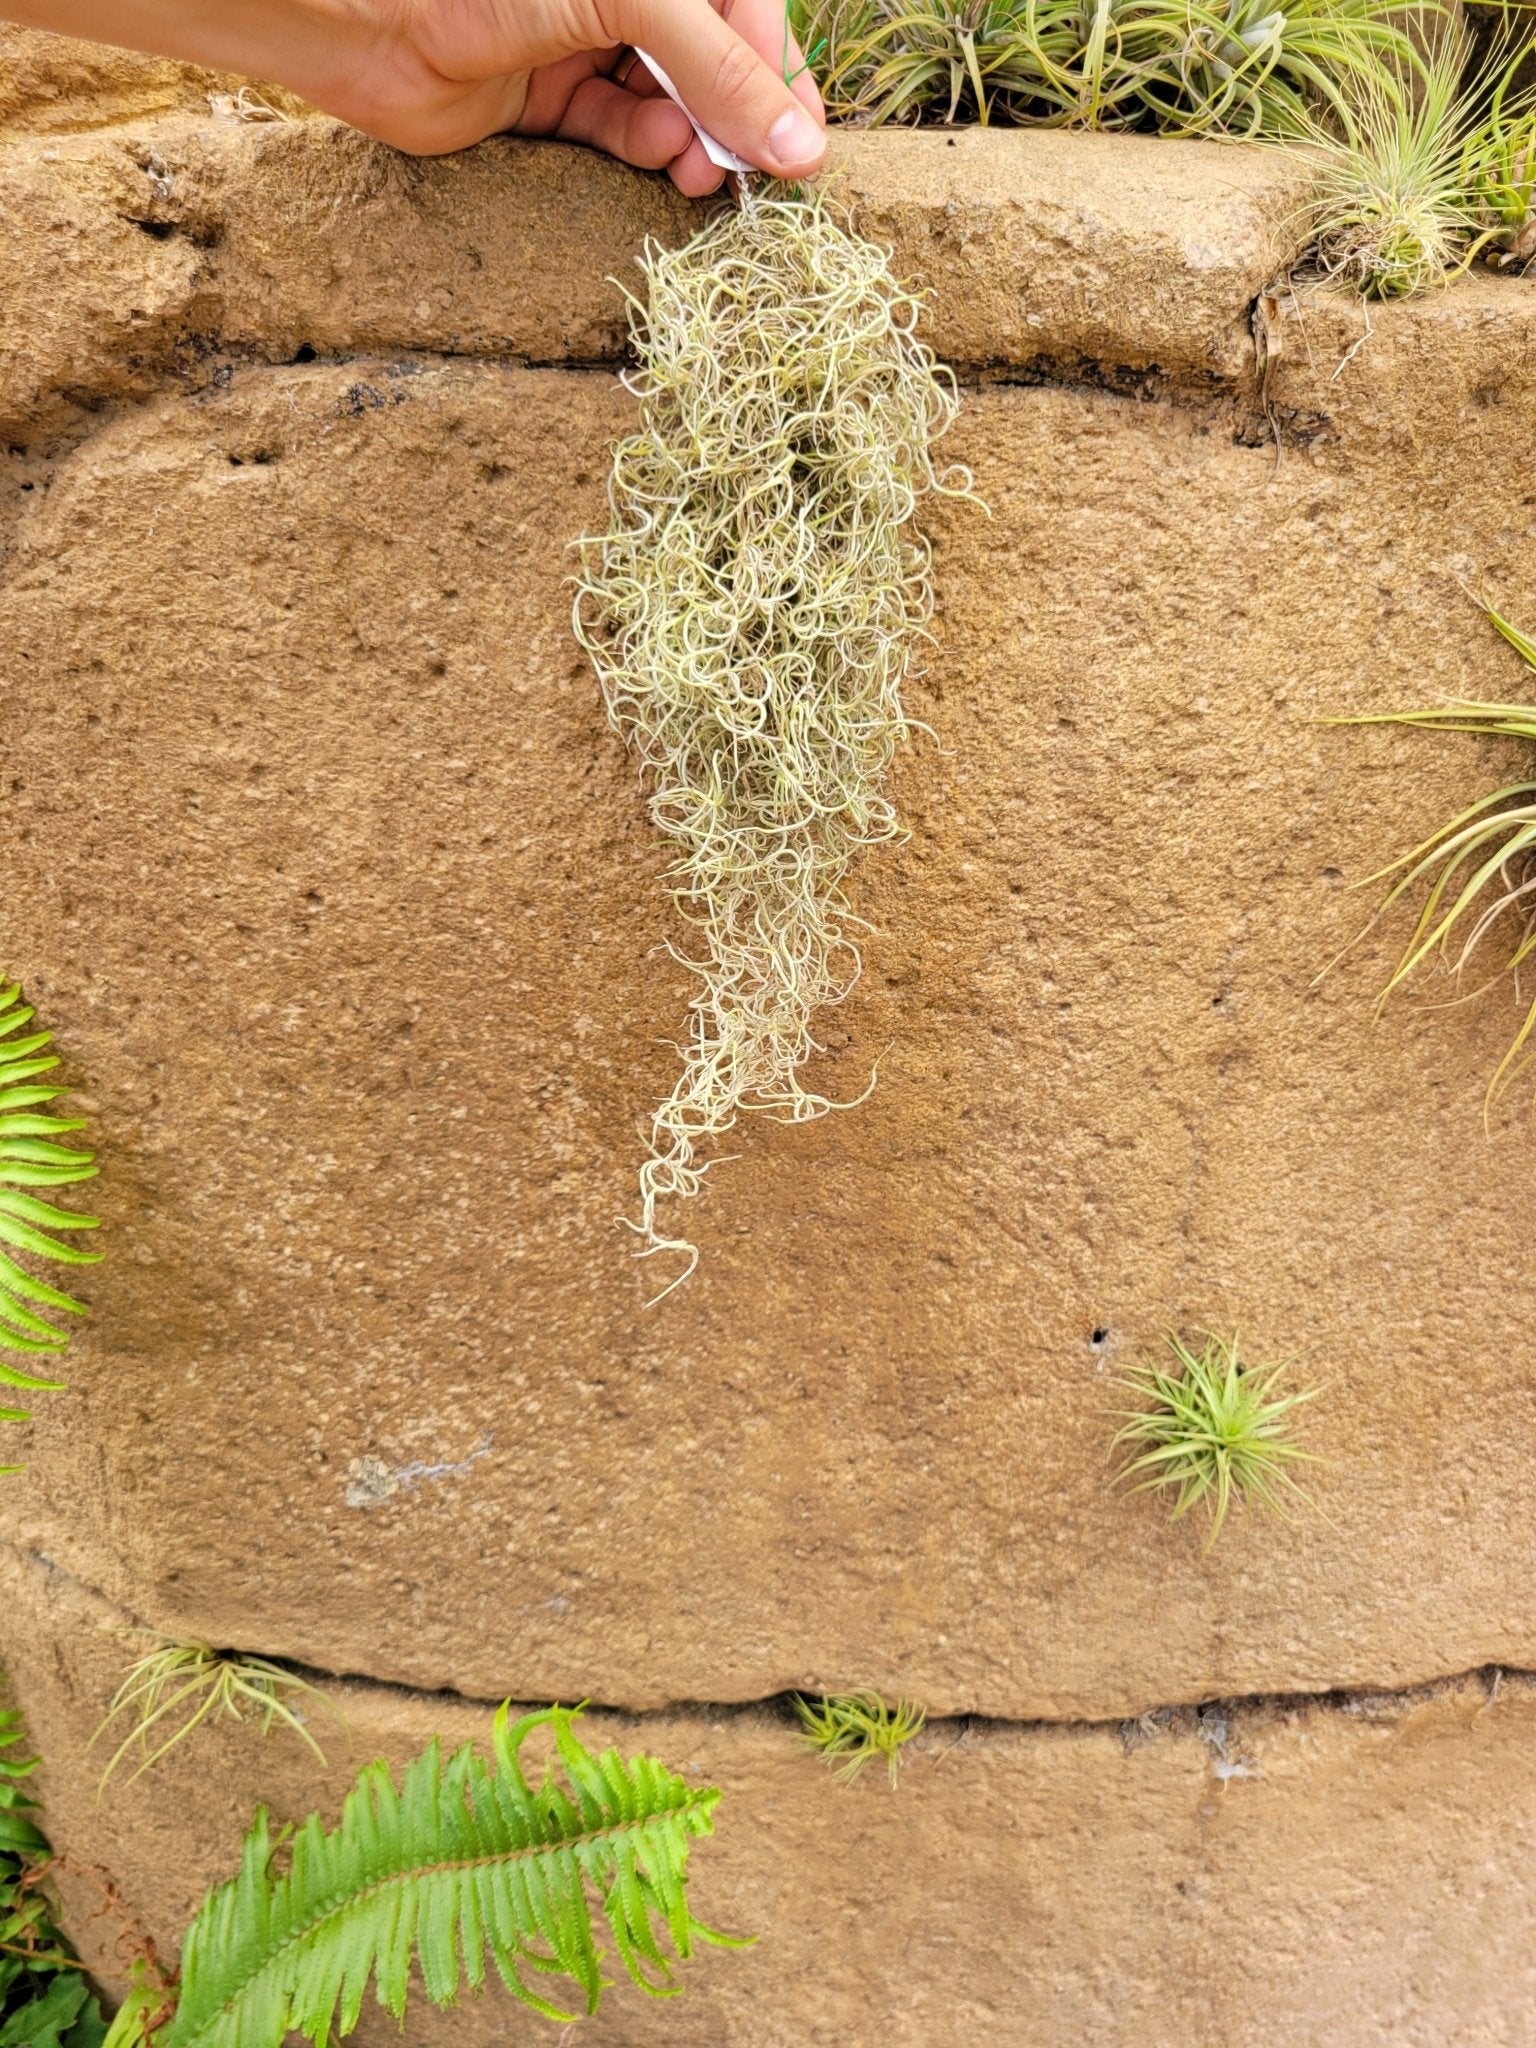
column 725, row 84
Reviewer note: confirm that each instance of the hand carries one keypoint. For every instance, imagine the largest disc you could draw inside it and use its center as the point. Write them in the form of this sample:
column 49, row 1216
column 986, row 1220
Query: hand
column 437, row 75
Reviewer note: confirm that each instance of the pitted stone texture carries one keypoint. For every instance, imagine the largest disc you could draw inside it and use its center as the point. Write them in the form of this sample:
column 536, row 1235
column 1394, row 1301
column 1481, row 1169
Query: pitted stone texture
column 1349, row 1875
column 130, row 255
column 53, row 85
column 343, row 904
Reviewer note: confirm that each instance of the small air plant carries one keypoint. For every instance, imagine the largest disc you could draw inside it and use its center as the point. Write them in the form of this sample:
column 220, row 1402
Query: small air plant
column 848, row 1729
column 206, row 1683
column 1480, row 867
column 752, row 613
column 1216, row 1432
column 1390, row 211
column 1499, row 169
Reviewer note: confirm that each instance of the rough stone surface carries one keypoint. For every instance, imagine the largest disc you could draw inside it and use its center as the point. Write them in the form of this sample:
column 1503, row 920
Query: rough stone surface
column 129, row 255
column 1348, row 1875
column 52, row 85
column 341, row 900
column 346, row 911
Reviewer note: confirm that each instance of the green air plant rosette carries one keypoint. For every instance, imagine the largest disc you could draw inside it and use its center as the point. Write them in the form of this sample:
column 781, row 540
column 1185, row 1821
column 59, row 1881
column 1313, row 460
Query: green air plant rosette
column 850, row 1729
column 1212, row 1432
column 174, row 1689
column 752, row 613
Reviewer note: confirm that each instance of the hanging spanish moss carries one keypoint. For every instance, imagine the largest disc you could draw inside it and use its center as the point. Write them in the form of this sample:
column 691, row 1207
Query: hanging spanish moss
column 752, row 614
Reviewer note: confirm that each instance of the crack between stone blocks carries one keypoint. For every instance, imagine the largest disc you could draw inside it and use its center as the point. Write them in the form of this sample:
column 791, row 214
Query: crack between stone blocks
column 1203, row 1716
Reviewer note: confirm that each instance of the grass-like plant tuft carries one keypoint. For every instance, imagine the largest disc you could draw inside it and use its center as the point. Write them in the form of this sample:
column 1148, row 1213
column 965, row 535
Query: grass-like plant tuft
column 1212, row 1432
column 1391, row 212
column 849, row 1729
column 179, row 1686
column 1479, row 869
column 1418, row 171
column 752, row 613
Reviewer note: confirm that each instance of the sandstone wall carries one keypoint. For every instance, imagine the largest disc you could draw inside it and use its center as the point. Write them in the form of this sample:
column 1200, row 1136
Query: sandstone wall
column 342, row 902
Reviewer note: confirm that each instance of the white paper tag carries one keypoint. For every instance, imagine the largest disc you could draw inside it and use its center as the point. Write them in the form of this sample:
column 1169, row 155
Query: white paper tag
column 727, row 159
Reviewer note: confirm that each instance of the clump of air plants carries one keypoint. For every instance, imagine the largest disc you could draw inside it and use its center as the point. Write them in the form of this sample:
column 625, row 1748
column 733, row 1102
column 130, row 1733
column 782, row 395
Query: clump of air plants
column 752, row 613
column 1480, row 868
column 849, row 1729
column 1181, row 67
column 1212, row 1432
column 174, row 1689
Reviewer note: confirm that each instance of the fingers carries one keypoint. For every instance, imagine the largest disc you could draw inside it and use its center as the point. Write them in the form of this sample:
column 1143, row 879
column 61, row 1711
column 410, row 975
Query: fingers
column 729, row 87
column 649, row 133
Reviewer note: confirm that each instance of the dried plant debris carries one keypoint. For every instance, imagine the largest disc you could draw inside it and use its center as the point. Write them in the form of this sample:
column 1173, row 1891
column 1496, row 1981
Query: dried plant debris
column 752, row 613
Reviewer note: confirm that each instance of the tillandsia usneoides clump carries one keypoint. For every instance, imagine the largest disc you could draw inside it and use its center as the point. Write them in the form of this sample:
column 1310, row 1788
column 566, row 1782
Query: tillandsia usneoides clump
column 752, row 613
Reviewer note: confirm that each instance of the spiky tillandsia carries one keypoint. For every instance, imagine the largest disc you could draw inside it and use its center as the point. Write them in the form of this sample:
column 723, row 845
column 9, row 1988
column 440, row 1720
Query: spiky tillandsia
column 32, row 1160
column 1215, row 1432
column 465, row 1858
column 1394, row 207
column 849, row 1729
column 208, row 1684
column 1480, row 867
column 752, row 614
column 1188, row 67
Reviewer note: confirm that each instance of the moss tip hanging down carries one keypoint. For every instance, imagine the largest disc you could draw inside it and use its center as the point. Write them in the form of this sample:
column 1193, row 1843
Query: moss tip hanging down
column 752, row 613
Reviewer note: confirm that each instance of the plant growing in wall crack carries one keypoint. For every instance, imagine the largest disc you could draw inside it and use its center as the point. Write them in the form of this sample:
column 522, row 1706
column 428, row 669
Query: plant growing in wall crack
column 465, row 1859
column 1479, row 869
column 174, row 1689
column 32, row 1160
column 1212, row 1432
column 850, row 1729
column 752, row 613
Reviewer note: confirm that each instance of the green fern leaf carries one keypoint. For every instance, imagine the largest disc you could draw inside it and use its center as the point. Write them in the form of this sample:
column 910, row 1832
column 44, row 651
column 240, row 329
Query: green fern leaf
column 31, row 1158
column 465, row 1859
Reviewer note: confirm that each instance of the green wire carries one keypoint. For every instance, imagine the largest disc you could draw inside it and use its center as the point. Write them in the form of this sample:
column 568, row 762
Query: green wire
column 791, row 76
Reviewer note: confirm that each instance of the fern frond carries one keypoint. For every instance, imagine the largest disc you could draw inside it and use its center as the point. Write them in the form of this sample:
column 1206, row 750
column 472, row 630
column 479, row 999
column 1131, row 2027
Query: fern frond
column 464, row 1859
column 30, row 1159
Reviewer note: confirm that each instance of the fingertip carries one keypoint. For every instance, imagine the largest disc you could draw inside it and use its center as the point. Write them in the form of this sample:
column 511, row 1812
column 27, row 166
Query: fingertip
column 694, row 173
column 796, row 144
